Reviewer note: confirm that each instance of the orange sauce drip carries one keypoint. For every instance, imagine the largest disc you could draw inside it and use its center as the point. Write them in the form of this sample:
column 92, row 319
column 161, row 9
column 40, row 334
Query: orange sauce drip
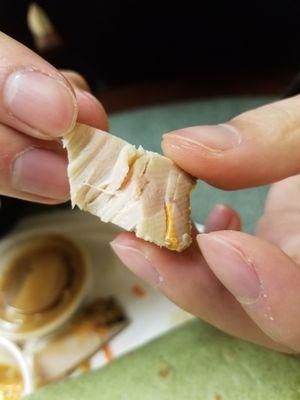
column 138, row 291
column 170, row 237
column 107, row 352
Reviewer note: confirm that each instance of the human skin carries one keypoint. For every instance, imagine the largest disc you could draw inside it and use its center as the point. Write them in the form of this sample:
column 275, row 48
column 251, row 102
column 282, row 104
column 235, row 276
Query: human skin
column 246, row 285
column 38, row 105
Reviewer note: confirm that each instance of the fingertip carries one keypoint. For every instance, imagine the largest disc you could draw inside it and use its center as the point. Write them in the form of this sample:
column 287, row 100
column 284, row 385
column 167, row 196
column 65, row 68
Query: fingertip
column 40, row 104
column 41, row 172
column 199, row 149
column 261, row 278
column 223, row 155
column 211, row 167
column 126, row 239
column 76, row 79
column 222, row 217
column 90, row 110
column 235, row 223
column 213, row 138
column 136, row 259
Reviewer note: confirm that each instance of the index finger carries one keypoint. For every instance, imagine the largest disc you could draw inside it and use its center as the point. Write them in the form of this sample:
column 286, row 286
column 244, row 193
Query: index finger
column 258, row 147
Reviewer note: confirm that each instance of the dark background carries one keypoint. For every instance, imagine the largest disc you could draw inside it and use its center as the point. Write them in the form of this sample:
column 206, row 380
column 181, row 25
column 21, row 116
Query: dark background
column 194, row 48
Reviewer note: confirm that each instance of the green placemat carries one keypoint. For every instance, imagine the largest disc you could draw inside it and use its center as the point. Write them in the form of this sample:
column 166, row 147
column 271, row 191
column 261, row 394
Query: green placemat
column 195, row 362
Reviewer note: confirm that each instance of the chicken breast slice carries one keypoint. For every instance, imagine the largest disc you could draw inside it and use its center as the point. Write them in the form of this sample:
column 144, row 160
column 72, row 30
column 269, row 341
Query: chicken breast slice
column 138, row 190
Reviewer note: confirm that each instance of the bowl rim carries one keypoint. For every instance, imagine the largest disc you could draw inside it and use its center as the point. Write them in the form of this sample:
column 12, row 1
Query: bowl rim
column 16, row 353
column 21, row 337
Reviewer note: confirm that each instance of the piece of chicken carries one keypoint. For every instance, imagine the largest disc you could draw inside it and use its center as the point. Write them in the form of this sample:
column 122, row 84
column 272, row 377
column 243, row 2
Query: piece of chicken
column 138, row 190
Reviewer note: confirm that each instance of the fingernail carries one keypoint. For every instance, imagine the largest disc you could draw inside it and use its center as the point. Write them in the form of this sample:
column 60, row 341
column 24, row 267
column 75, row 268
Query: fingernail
column 235, row 271
column 41, row 172
column 43, row 102
column 137, row 263
column 218, row 220
column 211, row 137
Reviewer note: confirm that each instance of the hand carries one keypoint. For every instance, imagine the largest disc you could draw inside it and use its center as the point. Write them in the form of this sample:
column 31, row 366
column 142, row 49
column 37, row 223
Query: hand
column 248, row 286
column 38, row 104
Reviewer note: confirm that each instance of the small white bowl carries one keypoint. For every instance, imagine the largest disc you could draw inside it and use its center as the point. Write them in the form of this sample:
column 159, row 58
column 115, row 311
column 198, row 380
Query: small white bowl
column 14, row 245
column 11, row 354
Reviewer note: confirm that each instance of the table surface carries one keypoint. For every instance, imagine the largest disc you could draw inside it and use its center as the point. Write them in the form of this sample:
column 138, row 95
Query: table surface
column 194, row 362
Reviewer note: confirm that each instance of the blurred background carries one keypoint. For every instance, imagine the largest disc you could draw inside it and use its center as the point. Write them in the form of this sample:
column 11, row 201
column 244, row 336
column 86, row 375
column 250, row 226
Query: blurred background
column 136, row 53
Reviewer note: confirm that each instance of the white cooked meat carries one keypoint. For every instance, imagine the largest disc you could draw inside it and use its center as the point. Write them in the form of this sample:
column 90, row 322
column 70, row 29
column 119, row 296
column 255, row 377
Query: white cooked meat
column 138, row 190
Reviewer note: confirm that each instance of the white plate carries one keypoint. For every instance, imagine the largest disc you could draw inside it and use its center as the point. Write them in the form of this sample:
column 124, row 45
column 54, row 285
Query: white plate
column 150, row 315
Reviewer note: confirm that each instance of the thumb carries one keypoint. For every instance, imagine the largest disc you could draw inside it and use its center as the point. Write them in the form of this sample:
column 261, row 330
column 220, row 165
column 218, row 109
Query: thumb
column 261, row 277
column 186, row 279
column 224, row 155
column 90, row 110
